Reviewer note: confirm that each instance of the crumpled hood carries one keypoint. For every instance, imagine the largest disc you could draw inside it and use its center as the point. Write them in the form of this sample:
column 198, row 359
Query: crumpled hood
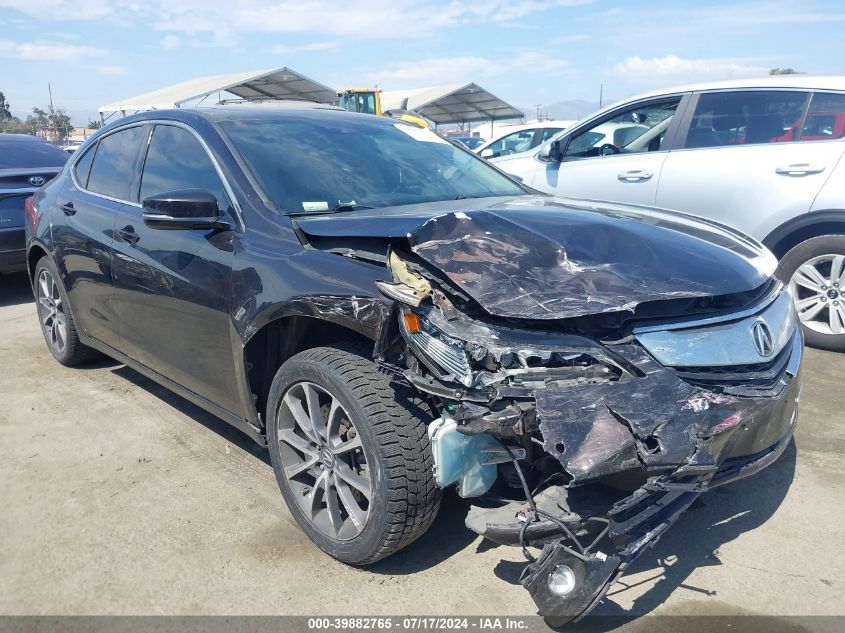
column 539, row 257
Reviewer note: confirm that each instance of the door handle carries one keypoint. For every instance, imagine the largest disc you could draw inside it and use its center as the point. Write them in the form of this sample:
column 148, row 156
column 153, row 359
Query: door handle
column 67, row 208
column 634, row 175
column 799, row 169
column 128, row 235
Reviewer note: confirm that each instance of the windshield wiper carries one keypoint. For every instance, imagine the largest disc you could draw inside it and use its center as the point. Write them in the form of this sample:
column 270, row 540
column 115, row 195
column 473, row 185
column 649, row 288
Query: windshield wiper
column 348, row 206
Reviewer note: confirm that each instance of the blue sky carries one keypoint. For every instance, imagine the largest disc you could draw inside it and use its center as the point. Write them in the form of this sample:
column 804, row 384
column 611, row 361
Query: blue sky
column 527, row 52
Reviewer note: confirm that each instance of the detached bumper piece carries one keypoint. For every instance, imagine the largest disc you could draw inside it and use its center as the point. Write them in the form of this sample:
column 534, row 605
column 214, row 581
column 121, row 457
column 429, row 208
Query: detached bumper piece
column 564, row 586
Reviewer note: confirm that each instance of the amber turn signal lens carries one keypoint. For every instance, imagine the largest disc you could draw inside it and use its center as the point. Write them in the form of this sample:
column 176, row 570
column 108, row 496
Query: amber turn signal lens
column 412, row 322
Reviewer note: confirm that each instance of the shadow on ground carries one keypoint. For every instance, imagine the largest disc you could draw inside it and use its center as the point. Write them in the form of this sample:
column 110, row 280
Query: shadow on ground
column 208, row 420
column 446, row 537
column 15, row 290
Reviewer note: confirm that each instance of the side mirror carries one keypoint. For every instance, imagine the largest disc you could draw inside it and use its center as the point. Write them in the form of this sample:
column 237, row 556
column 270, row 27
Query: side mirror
column 183, row 209
column 555, row 152
column 487, row 153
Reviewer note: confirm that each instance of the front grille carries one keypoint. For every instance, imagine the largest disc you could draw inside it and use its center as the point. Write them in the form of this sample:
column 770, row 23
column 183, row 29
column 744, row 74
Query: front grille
column 757, row 376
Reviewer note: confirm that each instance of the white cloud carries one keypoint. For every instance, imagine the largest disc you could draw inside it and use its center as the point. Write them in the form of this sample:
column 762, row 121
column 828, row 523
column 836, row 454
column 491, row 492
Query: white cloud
column 440, row 70
column 169, row 42
column 281, row 49
column 43, row 50
column 671, row 67
column 360, row 19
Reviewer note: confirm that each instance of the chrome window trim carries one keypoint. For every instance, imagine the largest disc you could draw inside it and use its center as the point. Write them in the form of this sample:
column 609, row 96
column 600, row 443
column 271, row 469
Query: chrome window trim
column 95, row 144
column 153, row 122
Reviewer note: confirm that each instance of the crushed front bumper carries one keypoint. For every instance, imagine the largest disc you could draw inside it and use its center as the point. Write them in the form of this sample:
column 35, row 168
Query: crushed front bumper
column 688, row 440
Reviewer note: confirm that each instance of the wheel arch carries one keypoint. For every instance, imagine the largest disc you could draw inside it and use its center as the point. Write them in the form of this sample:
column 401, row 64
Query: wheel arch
column 34, row 254
column 279, row 339
column 805, row 227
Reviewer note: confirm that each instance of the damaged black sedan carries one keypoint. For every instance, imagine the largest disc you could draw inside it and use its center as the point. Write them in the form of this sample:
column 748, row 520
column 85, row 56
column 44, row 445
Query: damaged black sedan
column 392, row 316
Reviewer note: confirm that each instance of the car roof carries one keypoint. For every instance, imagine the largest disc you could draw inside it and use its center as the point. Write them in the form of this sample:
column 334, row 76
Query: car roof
column 219, row 113
column 24, row 138
column 797, row 81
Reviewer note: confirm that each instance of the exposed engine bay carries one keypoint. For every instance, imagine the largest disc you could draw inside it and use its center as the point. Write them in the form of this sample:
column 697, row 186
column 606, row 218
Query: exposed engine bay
column 581, row 420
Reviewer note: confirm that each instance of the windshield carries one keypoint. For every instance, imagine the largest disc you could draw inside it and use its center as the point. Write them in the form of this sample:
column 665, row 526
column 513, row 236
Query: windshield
column 311, row 164
column 359, row 102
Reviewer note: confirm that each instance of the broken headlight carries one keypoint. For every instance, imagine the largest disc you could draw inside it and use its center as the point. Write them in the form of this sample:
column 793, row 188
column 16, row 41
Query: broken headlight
column 444, row 356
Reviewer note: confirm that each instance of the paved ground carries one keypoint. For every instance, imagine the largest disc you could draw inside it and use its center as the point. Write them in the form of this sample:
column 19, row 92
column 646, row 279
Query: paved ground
column 119, row 498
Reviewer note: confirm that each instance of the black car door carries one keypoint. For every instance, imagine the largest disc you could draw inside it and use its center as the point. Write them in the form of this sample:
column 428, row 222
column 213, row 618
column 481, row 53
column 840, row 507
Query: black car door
column 172, row 286
column 97, row 189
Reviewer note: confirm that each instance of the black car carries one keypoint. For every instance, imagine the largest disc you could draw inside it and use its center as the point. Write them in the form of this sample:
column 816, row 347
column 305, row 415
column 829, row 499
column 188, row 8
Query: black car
column 391, row 315
column 26, row 163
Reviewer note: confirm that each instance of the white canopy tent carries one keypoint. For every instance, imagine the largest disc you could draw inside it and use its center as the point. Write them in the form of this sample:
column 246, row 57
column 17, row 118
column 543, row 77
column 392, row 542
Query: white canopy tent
column 453, row 103
column 261, row 85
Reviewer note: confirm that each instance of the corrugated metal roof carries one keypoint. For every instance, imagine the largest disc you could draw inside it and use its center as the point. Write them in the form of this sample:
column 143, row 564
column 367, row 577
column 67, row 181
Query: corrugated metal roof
column 281, row 83
column 452, row 103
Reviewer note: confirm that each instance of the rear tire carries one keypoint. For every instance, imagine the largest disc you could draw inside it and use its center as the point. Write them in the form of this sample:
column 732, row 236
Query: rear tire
column 56, row 317
column 392, row 458
column 815, row 270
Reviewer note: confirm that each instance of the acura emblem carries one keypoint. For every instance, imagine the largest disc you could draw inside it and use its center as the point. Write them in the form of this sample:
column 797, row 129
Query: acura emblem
column 763, row 342
column 37, row 181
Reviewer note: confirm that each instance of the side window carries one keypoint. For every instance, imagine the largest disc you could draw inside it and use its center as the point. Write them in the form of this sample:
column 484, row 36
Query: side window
column 745, row 118
column 549, row 132
column 83, row 166
column 637, row 129
column 825, row 118
column 512, row 143
column 114, row 163
column 177, row 160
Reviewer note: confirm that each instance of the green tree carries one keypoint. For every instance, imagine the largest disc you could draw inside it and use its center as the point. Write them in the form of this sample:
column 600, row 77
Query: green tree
column 5, row 112
column 94, row 124
column 53, row 121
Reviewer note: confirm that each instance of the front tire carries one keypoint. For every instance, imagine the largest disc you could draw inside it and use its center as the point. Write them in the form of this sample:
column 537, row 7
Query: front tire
column 56, row 317
column 351, row 454
column 815, row 272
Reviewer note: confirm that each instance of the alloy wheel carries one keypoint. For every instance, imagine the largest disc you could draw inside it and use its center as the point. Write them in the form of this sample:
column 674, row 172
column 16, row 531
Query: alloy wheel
column 51, row 312
column 817, row 286
column 324, row 461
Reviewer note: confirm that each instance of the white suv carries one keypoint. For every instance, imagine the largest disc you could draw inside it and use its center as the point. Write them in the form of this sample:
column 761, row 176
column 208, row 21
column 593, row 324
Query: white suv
column 762, row 155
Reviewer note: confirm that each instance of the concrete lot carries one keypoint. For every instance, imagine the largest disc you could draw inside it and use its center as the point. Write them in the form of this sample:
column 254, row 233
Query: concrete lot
column 120, row 498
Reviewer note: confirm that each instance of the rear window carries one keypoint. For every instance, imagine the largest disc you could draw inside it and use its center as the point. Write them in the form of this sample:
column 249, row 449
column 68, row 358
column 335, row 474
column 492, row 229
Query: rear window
column 825, row 118
column 29, row 153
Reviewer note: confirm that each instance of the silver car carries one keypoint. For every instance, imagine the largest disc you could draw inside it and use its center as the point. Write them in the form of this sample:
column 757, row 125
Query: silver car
column 762, row 155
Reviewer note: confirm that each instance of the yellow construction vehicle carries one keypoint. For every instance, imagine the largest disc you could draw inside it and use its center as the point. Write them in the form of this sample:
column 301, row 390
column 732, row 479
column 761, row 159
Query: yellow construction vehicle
column 368, row 101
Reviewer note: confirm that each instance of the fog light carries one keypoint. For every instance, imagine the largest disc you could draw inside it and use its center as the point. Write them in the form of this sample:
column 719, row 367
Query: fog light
column 561, row 581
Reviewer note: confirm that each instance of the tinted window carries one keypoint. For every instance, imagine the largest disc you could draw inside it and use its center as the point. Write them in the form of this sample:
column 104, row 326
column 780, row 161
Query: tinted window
column 637, row 129
column 745, row 118
column 83, row 166
column 307, row 162
column 825, row 118
column 114, row 163
column 26, row 151
column 176, row 160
